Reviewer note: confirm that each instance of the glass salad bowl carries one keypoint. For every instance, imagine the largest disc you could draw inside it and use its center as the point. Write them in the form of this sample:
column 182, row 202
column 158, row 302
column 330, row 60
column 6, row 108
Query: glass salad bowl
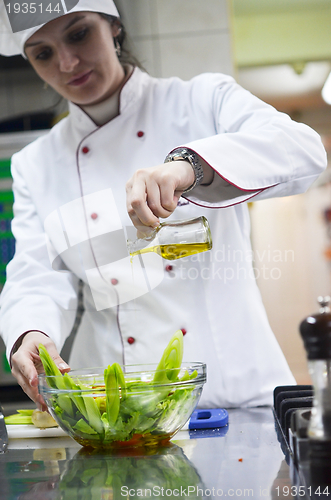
column 123, row 406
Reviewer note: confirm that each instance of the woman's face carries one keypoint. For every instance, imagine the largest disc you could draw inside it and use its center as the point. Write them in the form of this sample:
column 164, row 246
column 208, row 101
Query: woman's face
column 75, row 55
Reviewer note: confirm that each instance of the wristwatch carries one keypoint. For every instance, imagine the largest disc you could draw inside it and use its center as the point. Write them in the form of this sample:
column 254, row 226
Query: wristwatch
column 194, row 160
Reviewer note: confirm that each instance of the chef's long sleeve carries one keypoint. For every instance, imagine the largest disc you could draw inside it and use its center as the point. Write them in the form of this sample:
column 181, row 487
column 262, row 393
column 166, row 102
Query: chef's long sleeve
column 35, row 297
column 256, row 152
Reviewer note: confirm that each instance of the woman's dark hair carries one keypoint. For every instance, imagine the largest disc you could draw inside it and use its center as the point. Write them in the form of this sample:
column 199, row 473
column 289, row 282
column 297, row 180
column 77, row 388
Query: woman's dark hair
column 126, row 55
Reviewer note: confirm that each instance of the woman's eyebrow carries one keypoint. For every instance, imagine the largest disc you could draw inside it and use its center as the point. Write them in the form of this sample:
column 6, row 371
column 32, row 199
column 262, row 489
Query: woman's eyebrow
column 71, row 23
column 31, row 44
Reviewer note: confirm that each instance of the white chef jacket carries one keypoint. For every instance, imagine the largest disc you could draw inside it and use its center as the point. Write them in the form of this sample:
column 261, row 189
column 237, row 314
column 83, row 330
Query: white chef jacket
column 70, row 219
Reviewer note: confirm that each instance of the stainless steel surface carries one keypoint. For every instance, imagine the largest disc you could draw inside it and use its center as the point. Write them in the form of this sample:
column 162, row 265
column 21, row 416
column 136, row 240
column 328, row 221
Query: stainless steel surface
column 242, row 460
column 3, row 433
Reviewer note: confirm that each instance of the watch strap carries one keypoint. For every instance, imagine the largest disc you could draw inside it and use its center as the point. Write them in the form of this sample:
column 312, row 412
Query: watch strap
column 194, row 160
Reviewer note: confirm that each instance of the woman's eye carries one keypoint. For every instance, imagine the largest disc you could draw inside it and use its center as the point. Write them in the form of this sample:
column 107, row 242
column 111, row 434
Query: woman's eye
column 80, row 35
column 43, row 55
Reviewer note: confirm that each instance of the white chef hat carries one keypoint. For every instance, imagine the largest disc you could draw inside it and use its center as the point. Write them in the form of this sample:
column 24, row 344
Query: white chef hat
column 16, row 25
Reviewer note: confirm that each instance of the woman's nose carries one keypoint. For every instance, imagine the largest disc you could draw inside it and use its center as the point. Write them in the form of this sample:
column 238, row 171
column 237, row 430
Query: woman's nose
column 68, row 60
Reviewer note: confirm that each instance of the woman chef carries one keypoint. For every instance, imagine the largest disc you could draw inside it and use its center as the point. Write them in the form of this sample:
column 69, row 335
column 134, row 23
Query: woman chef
column 79, row 188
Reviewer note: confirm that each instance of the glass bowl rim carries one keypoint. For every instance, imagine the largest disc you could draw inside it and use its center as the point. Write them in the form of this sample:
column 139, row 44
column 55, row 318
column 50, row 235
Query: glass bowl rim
column 84, row 373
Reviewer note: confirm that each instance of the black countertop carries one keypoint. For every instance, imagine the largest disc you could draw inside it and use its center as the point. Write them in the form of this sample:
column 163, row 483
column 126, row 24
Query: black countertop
column 242, row 460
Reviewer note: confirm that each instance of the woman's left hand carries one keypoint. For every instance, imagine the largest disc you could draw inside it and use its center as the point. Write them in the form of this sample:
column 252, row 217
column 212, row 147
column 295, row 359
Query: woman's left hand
column 154, row 192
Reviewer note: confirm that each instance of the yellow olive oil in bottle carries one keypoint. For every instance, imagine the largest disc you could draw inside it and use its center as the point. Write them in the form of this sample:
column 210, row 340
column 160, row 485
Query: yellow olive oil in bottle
column 176, row 239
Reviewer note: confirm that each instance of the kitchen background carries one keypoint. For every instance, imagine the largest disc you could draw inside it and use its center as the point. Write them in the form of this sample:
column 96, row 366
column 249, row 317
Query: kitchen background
column 280, row 50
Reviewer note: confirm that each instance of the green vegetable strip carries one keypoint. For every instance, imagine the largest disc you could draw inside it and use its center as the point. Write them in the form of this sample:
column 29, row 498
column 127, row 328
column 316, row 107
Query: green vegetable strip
column 77, row 398
column 93, row 414
column 82, row 426
column 113, row 377
column 49, row 366
column 171, row 361
column 22, row 417
column 187, row 376
column 121, row 380
column 58, row 382
column 27, row 413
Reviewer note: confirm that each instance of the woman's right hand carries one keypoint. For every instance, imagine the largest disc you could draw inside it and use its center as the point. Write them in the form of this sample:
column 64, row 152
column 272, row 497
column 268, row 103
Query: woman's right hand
column 26, row 364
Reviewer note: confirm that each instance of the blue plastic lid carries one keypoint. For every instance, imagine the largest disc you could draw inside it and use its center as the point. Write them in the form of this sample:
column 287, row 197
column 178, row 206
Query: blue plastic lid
column 208, row 418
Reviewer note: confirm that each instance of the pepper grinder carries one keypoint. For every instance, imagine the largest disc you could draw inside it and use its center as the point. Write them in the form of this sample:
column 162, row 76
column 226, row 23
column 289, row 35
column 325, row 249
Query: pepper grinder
column 316, row 333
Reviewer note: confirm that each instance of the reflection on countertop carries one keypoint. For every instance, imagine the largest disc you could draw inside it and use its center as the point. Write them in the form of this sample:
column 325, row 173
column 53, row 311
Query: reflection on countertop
column 244, row 460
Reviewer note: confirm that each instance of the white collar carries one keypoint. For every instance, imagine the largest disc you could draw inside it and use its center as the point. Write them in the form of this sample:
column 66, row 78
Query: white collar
column 128, row 95
column 108, row 109
column 104, row 111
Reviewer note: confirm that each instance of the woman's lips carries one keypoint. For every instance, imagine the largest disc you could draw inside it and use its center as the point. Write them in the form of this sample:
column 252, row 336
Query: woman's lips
column 80, row 79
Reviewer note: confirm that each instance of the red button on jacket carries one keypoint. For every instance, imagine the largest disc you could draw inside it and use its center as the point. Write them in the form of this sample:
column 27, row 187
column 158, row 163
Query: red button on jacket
column 85, row 150
column 131, row 340
column 184, row 331
column 94, row 216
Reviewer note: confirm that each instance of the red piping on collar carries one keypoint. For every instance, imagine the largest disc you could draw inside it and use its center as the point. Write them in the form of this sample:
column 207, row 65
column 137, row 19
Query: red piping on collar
column 118, row 102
